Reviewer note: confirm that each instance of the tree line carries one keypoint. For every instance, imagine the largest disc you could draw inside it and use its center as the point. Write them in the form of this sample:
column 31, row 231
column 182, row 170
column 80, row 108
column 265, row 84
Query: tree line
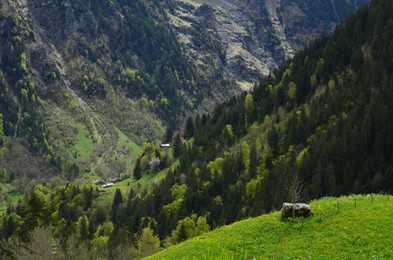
column 323, row 117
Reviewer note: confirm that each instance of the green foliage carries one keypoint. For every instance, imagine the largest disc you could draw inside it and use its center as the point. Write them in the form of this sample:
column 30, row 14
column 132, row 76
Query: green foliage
column 153, row 159
column 24, row 93
column 82, row 227
column 227, row 135
column 249, row 106
column 23, row 65
column 246, row 154
column 178, row 191
column 297, row 121
column 189, row 128
column 148, row 243
column 177, row 146
column 187, row 228
column 316, row 115
column 37, row 210
column 216, row 165
column 292, row 90
column 137, row 173
column 117, row 200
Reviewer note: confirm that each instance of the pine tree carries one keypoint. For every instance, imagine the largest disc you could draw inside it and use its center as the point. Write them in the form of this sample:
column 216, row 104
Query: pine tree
column 168, row 134
column 253, row 162
column 83, row 228
column 137, row 169
column 117, row 200
column 177, row 146
column 190, row 129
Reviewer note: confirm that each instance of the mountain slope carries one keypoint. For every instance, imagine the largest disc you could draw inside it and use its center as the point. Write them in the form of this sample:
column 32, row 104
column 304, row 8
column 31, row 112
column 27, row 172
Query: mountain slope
column 78, row 72
column 322, row 117
column 87, row 69
column 246, row 39
column 346, row 227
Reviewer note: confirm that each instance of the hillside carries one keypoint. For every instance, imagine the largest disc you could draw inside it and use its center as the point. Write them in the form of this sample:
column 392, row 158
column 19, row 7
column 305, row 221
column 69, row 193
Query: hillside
column 341, row 228
column 79, row 77
column 320, row 121
column 322, row 117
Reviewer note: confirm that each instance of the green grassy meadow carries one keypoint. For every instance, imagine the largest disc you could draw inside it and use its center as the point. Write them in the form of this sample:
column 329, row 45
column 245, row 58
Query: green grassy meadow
column 124, row 143
column 125, row 150
column 355, row 227
column 85, row 143
column 145, row 182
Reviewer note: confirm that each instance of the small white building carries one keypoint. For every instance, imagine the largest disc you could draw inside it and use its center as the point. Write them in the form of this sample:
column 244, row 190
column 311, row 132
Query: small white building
column 165, row 145
column 107, row 185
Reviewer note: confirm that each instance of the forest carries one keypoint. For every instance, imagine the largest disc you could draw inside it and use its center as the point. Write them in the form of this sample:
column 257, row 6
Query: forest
column 322, row 118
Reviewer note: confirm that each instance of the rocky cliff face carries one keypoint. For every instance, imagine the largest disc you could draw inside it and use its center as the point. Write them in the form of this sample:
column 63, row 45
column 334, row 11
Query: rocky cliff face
column 242, row 40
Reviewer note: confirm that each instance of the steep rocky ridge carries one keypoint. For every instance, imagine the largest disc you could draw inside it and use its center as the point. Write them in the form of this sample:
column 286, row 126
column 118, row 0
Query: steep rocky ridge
column 243, row 40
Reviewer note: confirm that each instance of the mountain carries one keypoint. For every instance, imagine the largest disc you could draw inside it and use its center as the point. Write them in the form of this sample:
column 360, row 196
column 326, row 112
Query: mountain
column 317, row 126
column 85, row 83
column 320, row 119
column 239, row 41
column 345, row 227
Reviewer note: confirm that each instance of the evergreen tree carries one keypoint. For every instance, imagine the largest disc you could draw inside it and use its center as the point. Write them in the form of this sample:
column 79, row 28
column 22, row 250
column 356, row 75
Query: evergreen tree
column 83, row 228
column 37, row 211
column 253, row 161
column 190, row 129
column 168, row 135
column 137, row 169
column 177, row 146
column 117, row 201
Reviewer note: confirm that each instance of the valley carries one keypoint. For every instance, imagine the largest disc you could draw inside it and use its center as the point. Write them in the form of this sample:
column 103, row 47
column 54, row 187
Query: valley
column 202, row 114
column 92, row 69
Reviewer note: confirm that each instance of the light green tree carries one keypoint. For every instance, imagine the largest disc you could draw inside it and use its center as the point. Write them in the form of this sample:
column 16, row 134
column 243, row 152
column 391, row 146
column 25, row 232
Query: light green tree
column 313, row 80
column 187, row 228
column 148, row 243
column 248, row 106
column 246, row 155
column 292, row 90
column 82, row 227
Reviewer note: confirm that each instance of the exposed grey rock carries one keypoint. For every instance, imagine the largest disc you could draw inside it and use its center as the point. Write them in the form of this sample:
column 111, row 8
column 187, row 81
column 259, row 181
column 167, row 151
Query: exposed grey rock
column 239, row 41
column 295, row 210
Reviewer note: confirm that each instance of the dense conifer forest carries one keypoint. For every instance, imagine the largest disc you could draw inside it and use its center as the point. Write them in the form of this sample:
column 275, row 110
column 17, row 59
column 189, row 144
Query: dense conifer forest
column 321, row 121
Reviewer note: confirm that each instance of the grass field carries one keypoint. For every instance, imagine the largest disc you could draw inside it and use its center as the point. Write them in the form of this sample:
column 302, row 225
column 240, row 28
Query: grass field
column 146, row 181
column 124, row 143
column 85, row 143
column 355, row 227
